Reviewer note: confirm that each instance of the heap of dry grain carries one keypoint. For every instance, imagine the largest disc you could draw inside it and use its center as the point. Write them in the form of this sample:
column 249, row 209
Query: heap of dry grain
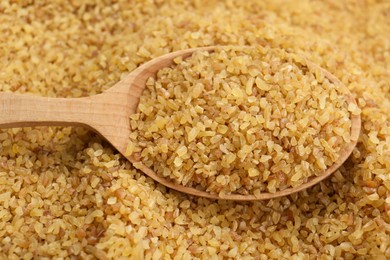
column 65, row 193
column 240, row 120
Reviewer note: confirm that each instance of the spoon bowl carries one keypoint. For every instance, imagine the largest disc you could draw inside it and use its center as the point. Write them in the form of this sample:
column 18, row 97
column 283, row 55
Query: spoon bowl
column 108, row 115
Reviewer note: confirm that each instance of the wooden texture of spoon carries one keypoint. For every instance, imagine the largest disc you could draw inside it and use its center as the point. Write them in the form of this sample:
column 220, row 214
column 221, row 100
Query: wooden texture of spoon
column 108, row 114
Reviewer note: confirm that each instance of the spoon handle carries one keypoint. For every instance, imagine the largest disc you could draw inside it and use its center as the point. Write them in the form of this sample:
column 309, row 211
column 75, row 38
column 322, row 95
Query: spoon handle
column 105, row 114
column 17, row 110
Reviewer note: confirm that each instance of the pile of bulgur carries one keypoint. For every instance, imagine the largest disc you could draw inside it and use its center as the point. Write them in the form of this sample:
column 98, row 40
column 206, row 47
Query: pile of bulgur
column 66, row 193
column 241, row 120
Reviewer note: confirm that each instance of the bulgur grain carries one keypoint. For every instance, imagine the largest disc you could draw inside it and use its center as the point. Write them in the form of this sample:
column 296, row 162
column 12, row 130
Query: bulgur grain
column 286, row 89
column 80, row 48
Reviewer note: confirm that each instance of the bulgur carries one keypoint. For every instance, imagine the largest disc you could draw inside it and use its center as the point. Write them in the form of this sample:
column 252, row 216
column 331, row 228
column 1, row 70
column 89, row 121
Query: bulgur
column 55, row 189
column 241, row 120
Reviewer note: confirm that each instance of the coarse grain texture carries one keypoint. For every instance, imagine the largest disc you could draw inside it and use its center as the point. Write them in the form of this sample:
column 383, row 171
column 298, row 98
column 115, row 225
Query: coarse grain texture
column 241, row 120
column 66, row 193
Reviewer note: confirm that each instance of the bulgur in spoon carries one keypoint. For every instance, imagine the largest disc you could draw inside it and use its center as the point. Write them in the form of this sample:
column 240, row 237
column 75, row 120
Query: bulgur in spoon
column 238, row 123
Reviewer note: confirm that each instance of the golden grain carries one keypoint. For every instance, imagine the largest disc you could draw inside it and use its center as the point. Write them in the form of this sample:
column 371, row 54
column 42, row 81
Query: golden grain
column 51, row 182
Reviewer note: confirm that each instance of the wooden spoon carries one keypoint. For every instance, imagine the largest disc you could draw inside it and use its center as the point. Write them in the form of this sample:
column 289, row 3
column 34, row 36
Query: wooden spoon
column 108, row 114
